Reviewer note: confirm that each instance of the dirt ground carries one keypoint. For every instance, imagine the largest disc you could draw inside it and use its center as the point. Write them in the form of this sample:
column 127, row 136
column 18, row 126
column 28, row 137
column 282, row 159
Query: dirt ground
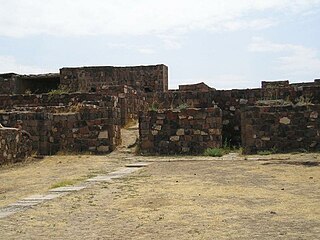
column 39, row 175
column 234, row 197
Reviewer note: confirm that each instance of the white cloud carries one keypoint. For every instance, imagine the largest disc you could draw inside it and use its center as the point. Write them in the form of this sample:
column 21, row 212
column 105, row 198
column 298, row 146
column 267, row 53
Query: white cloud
column 146, row 50
column 172, row 41
column 19, row 18
column 292, row 60
column 255, row 24
column 132, row 47
column 9, row 64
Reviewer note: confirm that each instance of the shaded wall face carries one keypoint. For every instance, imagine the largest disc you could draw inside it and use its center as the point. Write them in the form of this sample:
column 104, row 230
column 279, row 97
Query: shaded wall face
column 7, row 84
column 180, row 132
column 281, row 128
column 93, row 79
column 36, row 86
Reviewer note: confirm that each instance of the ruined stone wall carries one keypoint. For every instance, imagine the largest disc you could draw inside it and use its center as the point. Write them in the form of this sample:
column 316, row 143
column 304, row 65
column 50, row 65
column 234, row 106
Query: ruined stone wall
column 281, row 128
column 275, row 84
column 70, row 122
column 7, row 83
column 37, row 84
column 200, row 87
column 187, row 131
column 93, row 79
column 15, row 145
column 90, row 130
column 231, row 102
column 46, row 100
column 131, row 102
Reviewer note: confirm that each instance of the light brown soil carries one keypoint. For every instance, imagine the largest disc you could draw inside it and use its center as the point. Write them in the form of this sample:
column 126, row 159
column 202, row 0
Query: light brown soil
column 38, row 176
column 269, row 197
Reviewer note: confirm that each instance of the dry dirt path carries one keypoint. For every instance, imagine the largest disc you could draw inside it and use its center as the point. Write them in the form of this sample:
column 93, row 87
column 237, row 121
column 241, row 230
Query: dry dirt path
column 38, row 176
column 270, row 197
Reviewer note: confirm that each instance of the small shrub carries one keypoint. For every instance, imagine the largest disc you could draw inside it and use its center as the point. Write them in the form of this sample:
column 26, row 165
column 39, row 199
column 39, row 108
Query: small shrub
column 303, row 101
column 214, row 152
column 273, row 150
column 57, row 92
column 182, row 106
column 241, row 151
column 60, row 90
column 154, row 107
column 275, row 102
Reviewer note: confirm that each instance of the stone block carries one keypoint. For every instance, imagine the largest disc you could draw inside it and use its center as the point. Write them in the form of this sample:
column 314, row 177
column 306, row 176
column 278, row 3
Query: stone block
column 285, row 120
column 103, row 135
column 174, row 138
column 180, row 132
column 103, row 149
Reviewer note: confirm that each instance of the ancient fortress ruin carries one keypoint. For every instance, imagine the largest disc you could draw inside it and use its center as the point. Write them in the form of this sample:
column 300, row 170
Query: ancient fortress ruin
column 83, row 109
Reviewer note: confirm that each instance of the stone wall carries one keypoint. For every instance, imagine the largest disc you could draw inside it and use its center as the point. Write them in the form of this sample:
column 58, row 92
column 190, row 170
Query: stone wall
column 231, row 102
column 281, row 128
column 15, row 145
column 275, row 84
column 37, row 83
column 87, row 130
column 200, row 87
column 93, row 79
column 46, row 100
column 7, row 83
column 187, row 131
column 70, row 122
column 12, row 83
column 131, row 102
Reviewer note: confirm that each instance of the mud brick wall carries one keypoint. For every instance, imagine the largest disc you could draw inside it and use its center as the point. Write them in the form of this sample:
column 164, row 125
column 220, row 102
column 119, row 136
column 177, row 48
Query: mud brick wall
column 93, row 79
column 15, row 145
column 281, row 128
column 188, row 131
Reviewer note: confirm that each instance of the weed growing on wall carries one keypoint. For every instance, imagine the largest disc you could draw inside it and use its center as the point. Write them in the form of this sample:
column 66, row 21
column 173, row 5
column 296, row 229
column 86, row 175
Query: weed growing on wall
column 303, row 101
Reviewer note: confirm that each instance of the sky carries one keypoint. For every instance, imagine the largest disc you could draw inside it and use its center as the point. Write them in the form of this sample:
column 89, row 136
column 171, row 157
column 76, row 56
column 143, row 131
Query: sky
column 225, row 43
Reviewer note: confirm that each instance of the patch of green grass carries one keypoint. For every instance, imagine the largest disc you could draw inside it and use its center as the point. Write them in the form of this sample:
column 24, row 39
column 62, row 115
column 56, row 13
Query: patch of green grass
column 183, row 106
column 265, row 152
column 268, row 152
column 63, row 183
column 214, row 152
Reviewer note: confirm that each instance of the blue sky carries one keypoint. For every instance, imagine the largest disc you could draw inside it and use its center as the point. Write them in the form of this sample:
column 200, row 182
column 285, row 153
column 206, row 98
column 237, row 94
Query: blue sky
column 224, row 43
